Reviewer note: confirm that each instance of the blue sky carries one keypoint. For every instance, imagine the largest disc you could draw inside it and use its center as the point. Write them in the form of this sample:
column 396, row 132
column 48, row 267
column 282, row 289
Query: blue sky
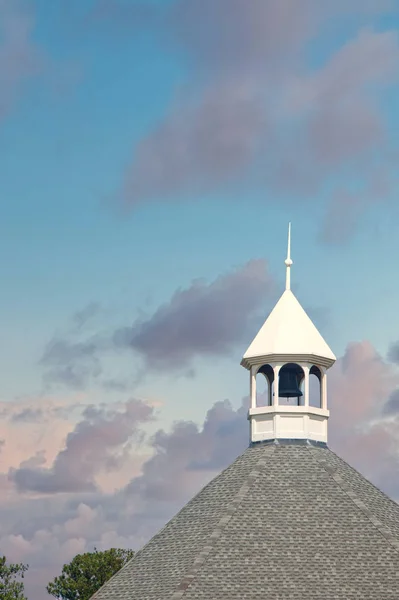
column 65, row 144
column 145, row 145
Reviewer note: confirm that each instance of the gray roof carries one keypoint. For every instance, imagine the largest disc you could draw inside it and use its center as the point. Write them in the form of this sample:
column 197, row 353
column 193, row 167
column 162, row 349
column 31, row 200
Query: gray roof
column 283, row 522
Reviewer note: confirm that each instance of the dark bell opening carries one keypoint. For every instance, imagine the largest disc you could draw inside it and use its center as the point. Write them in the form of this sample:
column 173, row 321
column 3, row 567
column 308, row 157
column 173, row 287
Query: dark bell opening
column 289, row 383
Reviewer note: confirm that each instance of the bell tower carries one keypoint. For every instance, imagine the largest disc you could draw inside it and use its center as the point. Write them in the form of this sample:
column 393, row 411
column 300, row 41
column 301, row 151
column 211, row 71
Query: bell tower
column 287, row 350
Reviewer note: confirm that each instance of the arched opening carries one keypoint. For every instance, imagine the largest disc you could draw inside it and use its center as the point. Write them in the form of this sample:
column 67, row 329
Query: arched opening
column 315, row 387
column 264, row 386
column 290, row 391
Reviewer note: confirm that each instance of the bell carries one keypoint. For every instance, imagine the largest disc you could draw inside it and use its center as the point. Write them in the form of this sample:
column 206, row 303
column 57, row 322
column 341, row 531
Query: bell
column 288, row 385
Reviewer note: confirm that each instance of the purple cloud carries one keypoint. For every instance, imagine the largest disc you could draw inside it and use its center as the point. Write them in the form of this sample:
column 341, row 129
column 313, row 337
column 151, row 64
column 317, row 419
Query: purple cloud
column 256, row 110
column 200, row 146
column 343, row 120
column 90, row 448
column 391, row 407
column 205, row 319
column 189, row 455
column 344, row 133
column 237, row 37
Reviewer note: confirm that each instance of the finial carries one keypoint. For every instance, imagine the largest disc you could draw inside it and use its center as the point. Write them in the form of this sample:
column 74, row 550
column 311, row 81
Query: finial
column 288, row 261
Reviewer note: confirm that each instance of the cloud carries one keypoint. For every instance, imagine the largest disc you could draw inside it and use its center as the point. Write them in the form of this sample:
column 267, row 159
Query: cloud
column 119, row 16
column 200, row 146
column 253, row 110
column 20, row 57
column 393, row 353
column 217, row 131
column 363, row 426
column 360, row 385
column 342, row 216
column 255, row 34
column 96, row 443
column 32, row 427
column 204, row 319
column 77, row 357
column 340, row 132
column 71, row 363
column 229, row 35
column 28, row 415
column 340, row 98
column 346, row 208
column 370, row 56
column 85, row 315
column 190, row 455
column 391, row 407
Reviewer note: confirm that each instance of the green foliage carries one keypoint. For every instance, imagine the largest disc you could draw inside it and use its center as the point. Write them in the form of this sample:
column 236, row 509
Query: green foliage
column 86, row 573
column 10, row 587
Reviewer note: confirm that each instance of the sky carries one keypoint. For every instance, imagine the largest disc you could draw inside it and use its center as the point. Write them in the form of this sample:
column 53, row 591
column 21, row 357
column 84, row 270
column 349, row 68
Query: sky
column 152, row 154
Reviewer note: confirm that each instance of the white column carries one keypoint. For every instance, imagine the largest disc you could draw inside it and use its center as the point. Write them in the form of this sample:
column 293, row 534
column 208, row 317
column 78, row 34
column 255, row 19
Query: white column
column 252, row 387
column 323, row 384
column 306, row 370
column 270, row 395
column 276, row 370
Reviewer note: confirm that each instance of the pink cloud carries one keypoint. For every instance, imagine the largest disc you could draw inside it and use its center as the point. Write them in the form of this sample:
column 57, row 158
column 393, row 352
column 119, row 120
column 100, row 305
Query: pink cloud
column 34, row 427
column 360, row 385
column 96, row 443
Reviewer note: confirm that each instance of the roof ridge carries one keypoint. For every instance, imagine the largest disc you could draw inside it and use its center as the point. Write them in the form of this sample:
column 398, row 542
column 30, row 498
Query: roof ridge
column 346, row 488
column 232, row 507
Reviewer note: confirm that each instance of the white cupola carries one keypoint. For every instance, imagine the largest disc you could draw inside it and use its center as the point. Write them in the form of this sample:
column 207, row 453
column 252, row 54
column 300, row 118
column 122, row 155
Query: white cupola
column 287, row 350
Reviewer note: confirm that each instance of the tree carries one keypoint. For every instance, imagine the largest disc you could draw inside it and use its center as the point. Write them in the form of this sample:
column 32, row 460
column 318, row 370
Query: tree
column 10, row 588
column 86, row 573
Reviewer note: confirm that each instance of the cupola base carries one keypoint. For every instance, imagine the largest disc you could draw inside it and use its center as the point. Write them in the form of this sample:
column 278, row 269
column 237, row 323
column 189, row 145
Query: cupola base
column 288, row 422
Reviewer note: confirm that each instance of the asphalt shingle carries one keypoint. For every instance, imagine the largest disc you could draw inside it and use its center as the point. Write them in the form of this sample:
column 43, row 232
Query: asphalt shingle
column 288, row 521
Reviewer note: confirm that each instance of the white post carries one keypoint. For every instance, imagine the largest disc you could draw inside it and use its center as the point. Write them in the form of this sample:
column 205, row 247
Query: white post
column 324, row 389
column 276, row 370
column 252, row 387
column 270, row 395
column 306, row 371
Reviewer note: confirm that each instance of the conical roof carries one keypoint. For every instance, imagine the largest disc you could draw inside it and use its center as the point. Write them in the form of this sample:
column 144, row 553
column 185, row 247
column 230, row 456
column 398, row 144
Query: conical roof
column 288, row 331
column 284, row 521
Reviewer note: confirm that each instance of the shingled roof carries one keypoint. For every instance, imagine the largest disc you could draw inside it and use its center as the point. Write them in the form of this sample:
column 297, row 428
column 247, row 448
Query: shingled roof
column 285, row 521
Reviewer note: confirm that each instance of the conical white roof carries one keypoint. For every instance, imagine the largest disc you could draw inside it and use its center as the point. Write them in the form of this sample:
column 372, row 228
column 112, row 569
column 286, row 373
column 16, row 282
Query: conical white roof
column 288, row 331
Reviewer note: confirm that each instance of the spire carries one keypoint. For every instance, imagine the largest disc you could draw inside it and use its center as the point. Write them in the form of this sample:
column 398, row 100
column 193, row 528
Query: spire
column 288, row 261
